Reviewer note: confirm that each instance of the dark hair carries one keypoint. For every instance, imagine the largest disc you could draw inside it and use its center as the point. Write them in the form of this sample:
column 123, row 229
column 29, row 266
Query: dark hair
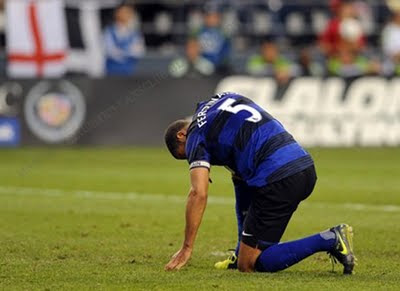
column 171, row 139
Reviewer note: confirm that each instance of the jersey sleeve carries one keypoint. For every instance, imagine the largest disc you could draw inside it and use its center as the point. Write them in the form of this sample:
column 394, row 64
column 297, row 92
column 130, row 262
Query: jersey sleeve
column 196, row 151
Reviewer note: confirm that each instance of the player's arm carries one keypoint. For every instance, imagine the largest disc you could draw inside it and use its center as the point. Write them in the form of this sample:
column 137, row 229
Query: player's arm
column 196, row 204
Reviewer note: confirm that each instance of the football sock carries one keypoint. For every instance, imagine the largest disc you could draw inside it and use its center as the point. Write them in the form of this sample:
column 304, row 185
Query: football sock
column 283, row 255
column 242, row 205
column 240, row 220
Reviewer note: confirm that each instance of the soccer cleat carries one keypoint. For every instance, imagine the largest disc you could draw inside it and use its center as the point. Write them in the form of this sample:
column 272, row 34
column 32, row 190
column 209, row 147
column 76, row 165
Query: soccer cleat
column 229, row 263
column 343, row 250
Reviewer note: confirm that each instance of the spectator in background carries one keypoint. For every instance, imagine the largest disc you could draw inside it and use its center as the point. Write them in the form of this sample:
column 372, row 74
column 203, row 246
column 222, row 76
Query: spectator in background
column 214, row 43
column 124, row 43
column 270, row 63
column 391, row 45
column 308, row 66
column 343, row 30
column 193, row 64
column 349, row 64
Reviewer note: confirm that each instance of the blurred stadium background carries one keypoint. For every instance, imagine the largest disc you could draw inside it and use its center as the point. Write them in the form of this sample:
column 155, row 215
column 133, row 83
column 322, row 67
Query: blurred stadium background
column 89, row 198
column 93, row 72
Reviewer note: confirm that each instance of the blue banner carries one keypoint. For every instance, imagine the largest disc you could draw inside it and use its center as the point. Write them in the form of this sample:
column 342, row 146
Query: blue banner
column 10, row 132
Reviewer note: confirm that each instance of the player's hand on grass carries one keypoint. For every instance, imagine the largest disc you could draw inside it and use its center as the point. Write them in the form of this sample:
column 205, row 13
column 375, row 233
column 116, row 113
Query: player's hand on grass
column 179, row 259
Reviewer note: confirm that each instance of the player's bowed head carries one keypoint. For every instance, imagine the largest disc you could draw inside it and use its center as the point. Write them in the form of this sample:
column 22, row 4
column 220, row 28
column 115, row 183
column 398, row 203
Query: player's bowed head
column 175, row 138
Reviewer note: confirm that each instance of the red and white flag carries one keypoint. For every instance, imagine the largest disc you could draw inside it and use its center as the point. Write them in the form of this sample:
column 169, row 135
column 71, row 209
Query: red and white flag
column 36, row 38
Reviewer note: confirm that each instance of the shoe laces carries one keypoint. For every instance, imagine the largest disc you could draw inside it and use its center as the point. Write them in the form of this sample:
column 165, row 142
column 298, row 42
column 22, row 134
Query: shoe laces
column 334, row 261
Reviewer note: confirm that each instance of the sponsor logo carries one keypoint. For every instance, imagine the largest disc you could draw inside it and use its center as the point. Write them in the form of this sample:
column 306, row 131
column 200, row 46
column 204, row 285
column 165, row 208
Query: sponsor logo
column 246, row 234
column 54, row 111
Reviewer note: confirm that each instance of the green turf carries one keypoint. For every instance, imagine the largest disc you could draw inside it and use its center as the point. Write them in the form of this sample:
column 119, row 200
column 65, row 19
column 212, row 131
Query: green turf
column 53, row 235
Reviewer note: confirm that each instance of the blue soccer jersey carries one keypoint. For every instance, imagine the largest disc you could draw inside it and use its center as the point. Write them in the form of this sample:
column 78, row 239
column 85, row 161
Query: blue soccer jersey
column 231, row 130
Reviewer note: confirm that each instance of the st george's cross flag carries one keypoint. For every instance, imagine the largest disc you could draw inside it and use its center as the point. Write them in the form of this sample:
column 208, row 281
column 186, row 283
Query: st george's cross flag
column 36, row 38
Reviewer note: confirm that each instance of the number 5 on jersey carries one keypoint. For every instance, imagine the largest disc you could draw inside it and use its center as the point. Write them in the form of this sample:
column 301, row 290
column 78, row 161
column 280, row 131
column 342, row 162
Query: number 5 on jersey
column 227, row 106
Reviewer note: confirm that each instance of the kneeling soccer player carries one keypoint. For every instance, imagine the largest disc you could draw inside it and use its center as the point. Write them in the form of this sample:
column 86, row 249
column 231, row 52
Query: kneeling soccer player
column 272, row 174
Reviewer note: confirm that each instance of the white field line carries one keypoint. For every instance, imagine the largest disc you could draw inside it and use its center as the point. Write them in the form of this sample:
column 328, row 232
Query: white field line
column 134, row 196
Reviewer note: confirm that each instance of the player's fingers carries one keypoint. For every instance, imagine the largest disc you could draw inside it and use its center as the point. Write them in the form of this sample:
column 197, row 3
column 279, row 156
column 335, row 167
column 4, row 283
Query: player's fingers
column 171, row 265
column 180, row 265
column 168, row 267
column 182, row 262
column 173, row 262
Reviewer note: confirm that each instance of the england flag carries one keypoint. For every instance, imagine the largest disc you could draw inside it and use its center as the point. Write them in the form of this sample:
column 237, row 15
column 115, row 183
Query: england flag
column 37, row 42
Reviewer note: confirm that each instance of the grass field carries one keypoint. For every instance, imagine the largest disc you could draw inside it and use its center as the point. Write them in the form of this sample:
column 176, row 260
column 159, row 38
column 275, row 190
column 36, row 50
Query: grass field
column 111, row 218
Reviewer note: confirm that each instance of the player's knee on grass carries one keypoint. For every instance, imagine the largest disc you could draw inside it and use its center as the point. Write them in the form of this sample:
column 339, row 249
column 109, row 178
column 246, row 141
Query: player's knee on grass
column 245, row 267
column 247, row 258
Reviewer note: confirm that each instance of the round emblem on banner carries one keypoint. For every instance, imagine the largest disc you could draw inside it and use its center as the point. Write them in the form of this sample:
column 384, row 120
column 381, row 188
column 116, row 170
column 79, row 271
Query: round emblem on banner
column 55, row 112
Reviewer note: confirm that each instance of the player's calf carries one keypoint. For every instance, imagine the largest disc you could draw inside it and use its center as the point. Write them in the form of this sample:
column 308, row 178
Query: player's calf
column 337, row 241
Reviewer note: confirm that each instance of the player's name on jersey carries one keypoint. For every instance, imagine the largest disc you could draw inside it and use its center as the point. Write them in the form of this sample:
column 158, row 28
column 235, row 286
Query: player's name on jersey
column 201, row 117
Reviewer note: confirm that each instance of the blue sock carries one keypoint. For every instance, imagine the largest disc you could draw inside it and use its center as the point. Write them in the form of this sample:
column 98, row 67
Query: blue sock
column 243, row 199
column 283, row 255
